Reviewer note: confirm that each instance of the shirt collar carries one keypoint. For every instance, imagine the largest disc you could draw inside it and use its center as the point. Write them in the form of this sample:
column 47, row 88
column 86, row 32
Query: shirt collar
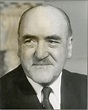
column 37, row 87
column 56, row 85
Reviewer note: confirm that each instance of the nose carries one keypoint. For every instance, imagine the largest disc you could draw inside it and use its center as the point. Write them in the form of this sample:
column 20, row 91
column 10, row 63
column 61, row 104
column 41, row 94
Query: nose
column 41, row 51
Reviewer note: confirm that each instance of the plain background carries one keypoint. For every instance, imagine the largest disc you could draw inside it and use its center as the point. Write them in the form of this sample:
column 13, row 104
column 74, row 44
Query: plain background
column 77, row 12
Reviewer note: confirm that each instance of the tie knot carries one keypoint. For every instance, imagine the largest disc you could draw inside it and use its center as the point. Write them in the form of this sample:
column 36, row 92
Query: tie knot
column 46, row 92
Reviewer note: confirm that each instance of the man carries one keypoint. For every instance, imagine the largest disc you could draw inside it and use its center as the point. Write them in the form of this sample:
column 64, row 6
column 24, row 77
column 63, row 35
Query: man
column 45, row 42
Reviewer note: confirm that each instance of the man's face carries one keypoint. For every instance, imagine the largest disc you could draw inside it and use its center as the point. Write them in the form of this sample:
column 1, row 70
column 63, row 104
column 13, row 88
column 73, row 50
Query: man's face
column 43, row 44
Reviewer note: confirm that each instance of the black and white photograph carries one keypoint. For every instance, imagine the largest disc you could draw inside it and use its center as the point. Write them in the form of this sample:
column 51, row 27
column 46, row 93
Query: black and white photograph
column 43, row 54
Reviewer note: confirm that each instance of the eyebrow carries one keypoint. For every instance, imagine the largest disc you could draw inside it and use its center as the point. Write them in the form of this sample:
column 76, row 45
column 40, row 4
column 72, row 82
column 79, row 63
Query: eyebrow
column 26, row 36
column 55, row 37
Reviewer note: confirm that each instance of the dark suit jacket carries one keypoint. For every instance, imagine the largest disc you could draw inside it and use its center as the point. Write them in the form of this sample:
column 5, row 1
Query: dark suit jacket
column 16, row 91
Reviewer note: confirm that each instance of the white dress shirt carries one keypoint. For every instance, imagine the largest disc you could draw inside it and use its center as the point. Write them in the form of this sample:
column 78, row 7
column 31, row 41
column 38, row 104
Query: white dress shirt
column 55, row 95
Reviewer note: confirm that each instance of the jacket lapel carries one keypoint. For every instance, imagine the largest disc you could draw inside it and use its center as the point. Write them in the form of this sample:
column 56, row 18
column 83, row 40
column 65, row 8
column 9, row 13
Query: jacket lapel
column 64, row 93
column 28, row 101
column 69, row 93
column 25, row 92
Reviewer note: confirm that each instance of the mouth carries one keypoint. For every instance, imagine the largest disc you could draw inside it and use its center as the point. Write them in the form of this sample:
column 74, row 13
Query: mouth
column 41, row 64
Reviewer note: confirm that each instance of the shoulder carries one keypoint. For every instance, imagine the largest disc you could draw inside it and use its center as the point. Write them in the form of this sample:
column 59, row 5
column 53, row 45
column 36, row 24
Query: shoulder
column 10, row 82
column 16, row 71
column 9, row 78
column 79, row 80
column 9, row 86
column 75, row 87
column 74, row 75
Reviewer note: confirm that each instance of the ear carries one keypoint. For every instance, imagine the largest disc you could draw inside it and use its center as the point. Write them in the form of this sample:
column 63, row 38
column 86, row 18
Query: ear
column 18, row 53
column 69, row 46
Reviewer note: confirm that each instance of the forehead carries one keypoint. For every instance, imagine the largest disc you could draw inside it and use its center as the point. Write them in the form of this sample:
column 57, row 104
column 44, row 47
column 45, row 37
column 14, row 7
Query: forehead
column 43, row 20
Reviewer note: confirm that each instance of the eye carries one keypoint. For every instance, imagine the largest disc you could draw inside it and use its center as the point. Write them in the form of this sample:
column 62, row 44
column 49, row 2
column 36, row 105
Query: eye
column 30, row 42
column 53, row 43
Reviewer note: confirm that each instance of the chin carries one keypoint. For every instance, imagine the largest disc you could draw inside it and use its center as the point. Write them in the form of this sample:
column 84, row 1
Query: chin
column 43, row 79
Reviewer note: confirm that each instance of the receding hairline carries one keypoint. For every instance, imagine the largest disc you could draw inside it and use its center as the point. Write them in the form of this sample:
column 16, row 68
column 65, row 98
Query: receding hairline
column 65, row 16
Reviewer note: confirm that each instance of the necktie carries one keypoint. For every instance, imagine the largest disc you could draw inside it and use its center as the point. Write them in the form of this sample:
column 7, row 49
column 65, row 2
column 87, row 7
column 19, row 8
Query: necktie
column 46, row 92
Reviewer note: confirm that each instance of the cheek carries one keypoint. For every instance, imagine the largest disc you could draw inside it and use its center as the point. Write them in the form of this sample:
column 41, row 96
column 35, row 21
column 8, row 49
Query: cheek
column 26, row 53
column 60, row 54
